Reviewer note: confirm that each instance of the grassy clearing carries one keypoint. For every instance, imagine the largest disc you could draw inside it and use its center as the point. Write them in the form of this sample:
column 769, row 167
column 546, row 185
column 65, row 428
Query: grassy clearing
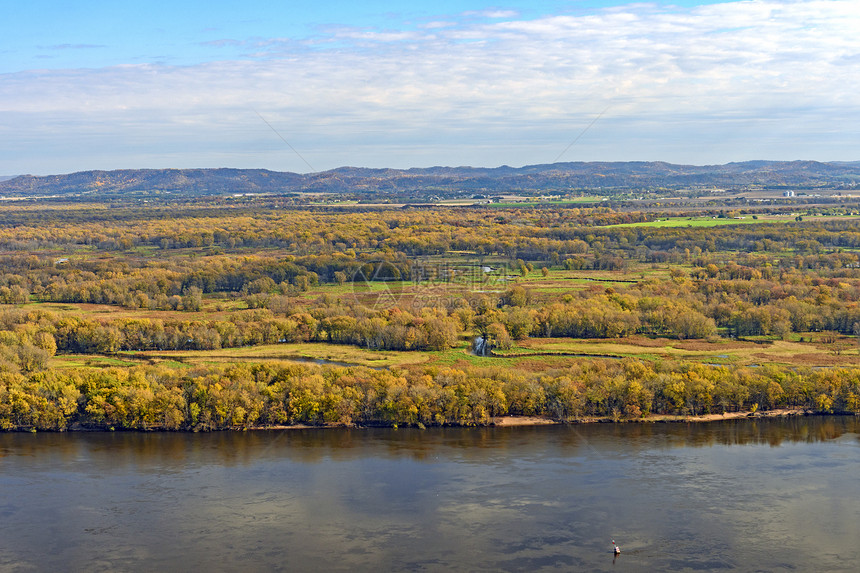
column 88, row 310
column 561, row 280
column 782, row 352
column 305, row 352
column 67, row 361
column 534, row 355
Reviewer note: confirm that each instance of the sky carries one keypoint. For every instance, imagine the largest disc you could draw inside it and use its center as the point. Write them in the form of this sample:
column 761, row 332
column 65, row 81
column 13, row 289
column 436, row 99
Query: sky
column 313, row 85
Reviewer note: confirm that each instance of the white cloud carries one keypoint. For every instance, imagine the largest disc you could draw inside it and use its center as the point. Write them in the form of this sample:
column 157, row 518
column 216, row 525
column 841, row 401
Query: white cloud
column 439, row 24
column 491, row 14
column 722, row 82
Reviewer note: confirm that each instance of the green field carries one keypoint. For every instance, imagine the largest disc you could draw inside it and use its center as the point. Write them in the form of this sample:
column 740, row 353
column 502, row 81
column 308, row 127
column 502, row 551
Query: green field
column 739, row 220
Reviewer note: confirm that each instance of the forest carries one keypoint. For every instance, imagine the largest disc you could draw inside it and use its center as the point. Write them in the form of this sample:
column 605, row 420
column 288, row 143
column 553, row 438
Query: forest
column 240, row 313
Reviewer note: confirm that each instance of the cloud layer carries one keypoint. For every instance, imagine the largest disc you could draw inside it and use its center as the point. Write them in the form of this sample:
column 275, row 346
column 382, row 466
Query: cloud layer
column 717, row 83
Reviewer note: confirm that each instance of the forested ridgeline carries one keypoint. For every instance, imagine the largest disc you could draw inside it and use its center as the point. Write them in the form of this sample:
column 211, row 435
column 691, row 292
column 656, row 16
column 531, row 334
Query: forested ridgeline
column 270, row 394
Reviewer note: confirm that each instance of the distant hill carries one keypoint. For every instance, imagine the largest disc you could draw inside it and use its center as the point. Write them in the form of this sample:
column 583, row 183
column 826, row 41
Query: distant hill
column 444, row 181
column 7, row 177
column 152, row 181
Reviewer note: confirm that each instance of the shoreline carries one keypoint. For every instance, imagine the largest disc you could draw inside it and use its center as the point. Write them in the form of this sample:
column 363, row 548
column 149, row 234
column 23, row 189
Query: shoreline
column 508, row 421
column 495, row 422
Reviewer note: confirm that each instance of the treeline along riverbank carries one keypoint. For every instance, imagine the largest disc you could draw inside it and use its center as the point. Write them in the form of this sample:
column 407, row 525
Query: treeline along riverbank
column 241, row 396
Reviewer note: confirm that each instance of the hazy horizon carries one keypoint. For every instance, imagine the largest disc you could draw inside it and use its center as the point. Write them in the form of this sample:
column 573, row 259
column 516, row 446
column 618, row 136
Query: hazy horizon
column 477, row 167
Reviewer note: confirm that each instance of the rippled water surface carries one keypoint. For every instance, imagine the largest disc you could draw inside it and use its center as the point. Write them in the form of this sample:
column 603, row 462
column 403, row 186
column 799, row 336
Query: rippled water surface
column 779, row 495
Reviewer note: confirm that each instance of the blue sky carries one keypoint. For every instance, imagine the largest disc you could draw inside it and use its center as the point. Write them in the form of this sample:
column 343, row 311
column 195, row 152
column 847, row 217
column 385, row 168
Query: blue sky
column 107, row 85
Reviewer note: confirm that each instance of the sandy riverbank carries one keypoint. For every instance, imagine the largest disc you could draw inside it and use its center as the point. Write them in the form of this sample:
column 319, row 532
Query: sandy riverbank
column 654, row 418
column 513, row 421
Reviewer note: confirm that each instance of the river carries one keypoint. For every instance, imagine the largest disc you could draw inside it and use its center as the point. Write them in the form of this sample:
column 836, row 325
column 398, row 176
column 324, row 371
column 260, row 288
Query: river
column 764, row 495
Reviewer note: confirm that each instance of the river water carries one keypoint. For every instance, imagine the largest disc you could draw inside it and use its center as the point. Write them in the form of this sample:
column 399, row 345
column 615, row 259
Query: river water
column 765, row 495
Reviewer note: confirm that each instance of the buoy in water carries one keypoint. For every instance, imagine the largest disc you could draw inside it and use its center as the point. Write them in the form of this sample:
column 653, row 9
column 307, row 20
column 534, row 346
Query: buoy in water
column 617, row 549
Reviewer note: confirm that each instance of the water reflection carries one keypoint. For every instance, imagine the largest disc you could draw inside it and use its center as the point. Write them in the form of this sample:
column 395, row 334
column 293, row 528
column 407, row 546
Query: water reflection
column 473, row 444
column 764, row 494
